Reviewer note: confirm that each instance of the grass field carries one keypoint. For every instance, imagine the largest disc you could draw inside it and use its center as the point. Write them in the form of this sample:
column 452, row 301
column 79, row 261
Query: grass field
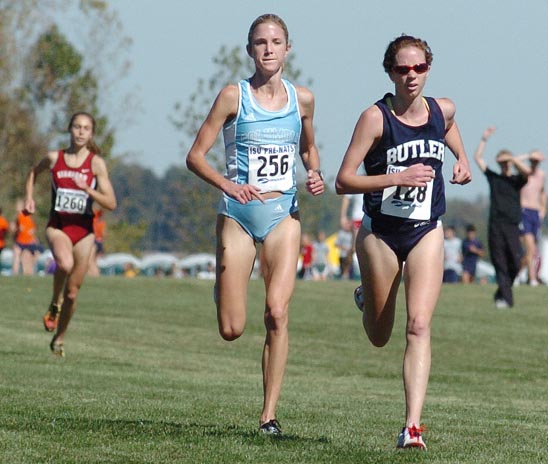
column 147, row 379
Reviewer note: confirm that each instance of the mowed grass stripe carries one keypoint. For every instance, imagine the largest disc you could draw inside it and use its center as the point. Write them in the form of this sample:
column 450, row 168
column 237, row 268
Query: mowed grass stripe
column 148, row 379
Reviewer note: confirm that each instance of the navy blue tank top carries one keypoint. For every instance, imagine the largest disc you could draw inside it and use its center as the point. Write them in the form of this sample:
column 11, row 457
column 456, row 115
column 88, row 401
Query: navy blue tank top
column 402, row 146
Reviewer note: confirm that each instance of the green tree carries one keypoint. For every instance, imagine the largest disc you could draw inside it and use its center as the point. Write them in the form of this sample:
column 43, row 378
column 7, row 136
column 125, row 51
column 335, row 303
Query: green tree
column 180, row 210
column 138, row 192
column 44, row 78
column 57, row 83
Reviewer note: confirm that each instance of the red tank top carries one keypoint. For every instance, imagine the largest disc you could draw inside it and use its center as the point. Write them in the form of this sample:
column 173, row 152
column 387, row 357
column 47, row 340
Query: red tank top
column 66, row 197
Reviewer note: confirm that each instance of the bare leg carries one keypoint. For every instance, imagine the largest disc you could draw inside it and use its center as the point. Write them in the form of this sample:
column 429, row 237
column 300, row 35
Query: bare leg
column 423, row 275
column 530, row 254
column 380, row 272
column 279, row 270
column 72, row 262
column 16, row 260
column 27, row 262
column 59, row 280
column 74, row 282
column 93, row 269
column 235, row 257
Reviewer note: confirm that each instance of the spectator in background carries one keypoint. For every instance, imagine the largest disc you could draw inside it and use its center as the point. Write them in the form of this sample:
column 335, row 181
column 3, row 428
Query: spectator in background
column 533, row 210
column 130, row 271
column 452, row 246
column 320, row 257
column 472, row 250
column 306, row 252
column 208, row 273
column 24, row 245
column 345, row 245
column 99, row 230
column 4, row 229
column 352, row 210
column 176, row 272
column 504, row 217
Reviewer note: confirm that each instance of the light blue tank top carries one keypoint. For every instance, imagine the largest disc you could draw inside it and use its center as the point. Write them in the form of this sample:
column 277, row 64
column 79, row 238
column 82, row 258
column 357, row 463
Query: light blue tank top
column 260, row 145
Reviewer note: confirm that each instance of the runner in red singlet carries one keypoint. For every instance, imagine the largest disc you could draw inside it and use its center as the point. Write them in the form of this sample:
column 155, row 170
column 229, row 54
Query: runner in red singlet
column 79, row 177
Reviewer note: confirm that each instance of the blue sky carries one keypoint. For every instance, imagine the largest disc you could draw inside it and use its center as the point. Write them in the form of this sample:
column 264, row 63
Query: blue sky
column 490, row 58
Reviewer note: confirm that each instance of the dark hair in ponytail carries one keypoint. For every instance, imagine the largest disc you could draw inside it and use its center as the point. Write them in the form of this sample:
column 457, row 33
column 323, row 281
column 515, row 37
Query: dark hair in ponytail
column 91, row 146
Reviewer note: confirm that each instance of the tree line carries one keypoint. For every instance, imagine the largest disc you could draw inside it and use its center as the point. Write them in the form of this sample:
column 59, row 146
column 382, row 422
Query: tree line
column 176, row 212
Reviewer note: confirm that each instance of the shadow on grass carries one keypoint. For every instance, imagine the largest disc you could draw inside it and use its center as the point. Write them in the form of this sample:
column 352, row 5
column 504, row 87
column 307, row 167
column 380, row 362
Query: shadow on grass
column 136, row 428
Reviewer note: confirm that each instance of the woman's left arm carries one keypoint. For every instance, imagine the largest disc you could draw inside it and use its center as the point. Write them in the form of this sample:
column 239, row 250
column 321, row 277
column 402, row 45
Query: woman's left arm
column 104, row 194
column 453, row 139
column 307, row 146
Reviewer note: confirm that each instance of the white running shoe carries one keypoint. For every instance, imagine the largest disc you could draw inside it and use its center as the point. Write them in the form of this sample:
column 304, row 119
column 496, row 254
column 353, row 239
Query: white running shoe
column 410, row 437
column 501, row 304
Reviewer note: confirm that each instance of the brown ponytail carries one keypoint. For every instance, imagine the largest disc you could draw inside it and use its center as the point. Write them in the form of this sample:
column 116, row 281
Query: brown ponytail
column 93, row 148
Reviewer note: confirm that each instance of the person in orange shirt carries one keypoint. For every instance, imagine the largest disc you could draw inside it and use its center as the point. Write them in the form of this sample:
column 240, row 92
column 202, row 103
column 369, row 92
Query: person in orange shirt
column 4, row 229
column 99, row 230
column 25, row 241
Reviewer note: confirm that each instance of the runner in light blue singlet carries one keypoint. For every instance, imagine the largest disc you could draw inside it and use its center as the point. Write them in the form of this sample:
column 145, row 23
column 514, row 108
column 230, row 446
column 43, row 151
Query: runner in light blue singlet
column 260, row 147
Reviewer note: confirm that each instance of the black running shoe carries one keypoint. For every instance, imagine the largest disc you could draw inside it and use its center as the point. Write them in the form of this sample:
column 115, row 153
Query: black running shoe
column 271, row 427
column 57, row 348
column 358, row 298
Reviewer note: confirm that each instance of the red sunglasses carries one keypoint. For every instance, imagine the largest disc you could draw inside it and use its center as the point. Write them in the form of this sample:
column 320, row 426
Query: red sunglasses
column 403, row 70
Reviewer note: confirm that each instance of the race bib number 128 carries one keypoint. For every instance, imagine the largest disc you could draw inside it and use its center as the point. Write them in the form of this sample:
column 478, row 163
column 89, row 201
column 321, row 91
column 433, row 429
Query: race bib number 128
column 407, row 202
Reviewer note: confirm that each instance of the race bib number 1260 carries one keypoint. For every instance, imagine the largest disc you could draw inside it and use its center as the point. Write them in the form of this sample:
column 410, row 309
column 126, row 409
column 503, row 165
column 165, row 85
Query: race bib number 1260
column 71, row 201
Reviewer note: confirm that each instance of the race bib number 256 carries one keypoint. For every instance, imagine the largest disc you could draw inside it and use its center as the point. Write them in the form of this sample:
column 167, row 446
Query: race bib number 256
column 271, row 167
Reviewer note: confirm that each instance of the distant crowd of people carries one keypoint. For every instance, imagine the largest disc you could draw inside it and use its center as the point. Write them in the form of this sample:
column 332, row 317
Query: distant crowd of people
column 25, row 246
column 461, row 256
column 315, row 253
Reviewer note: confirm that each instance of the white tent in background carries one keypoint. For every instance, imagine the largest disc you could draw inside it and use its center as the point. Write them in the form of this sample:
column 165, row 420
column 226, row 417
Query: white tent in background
column 193, row 264
column 114, row 263
column 485, row 270
column 44, row 263
column 164, row 262
column 6, row 261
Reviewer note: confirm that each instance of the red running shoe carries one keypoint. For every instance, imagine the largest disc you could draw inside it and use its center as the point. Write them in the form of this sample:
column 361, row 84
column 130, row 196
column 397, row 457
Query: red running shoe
column 410, row 437
column 51, row 318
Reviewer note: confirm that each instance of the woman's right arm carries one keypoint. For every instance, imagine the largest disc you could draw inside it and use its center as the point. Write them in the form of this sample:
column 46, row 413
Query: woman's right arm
column 367, row 133
column 224, row 108
column 44, row 164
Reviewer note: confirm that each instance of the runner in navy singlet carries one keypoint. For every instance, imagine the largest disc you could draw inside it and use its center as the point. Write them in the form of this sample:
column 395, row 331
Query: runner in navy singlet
column 401, row 141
